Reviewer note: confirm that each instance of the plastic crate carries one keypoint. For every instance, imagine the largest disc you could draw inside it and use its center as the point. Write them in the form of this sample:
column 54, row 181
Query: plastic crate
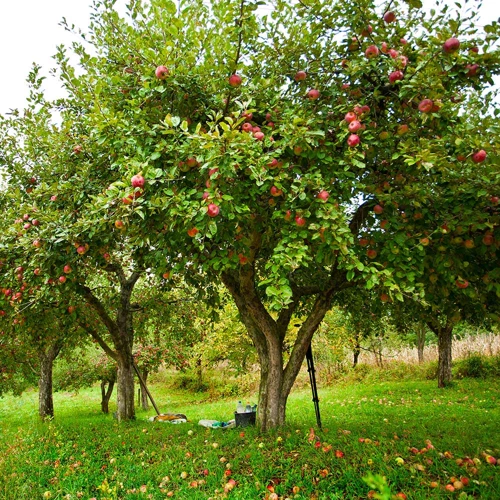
column 245, row 419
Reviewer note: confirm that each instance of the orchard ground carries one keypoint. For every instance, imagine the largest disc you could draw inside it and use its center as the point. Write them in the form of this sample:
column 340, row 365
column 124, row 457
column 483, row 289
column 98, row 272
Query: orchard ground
column 391, row 437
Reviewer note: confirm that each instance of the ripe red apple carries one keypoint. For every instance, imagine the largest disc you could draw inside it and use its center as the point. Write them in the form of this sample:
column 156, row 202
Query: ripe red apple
column 37, row 271
column 378, row 209
column 323, row 195
column 213, row 210
column 479, row 157
column 313, row 94
column 353, row 140
column 35, row 222
column 275, row 191
column 247, row 115
column 192, row 232
column 472, row 69
column 53, row 197
column 191, row 162
column 396, row 76
column 62, row 279
column 300, row 76
column 300, row 221
column 384, row 297
column 425, row 241
column 354, row 126
column 273, row 163
column 469, row 244
column 425, row 106
column 371, row 254
column 371, row 51
column 137, row 181
column 77, row 149
column 462, row 283
column 393, row 53
column 161, row 72
column 37, row 243
column 367, row 31
column 384, row 224
column 350, row 117
column 389, row 17
column 71, row 309
column 81, row 250
column 119, row 224
column 259, row 136
column 451, row 45
column 67, row 269
column 363, row 242
column 494, row 200
column 488, row 239
column 235, row 80
column 247, row 127
column 403, row 129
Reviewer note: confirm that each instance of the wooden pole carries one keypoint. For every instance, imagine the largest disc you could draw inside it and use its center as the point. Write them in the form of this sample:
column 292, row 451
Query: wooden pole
column 144, row 388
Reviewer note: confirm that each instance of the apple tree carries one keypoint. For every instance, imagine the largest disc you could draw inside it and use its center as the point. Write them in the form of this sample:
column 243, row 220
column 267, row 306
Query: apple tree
column 289, row 151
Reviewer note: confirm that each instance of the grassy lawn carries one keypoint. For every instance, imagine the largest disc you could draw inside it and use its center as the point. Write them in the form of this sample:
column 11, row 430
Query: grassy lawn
column 409, row 432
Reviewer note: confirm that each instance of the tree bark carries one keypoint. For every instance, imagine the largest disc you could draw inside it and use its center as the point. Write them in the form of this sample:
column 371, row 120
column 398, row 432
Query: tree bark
column 106, row 393
column 122, row 334
column 445, row 337
column 125, row 398
column 45, row 389
column 144, row 394
column 268, row 335
column 420, row 342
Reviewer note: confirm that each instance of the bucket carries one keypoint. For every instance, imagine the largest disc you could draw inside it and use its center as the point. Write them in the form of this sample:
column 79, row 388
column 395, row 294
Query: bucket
column 245, row 419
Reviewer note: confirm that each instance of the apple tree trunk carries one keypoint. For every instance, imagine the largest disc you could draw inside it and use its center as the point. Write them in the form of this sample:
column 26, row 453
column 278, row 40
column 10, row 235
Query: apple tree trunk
column 444, row 334
column 420, row 342
column 107, row 387
column 45, row 389
column 268, row 335
column 122, row 334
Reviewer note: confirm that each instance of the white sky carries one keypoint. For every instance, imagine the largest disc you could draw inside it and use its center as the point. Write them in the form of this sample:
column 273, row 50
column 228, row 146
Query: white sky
column 29, row 32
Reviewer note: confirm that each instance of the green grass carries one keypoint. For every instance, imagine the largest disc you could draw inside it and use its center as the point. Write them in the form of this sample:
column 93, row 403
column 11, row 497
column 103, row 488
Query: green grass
column 85, row 454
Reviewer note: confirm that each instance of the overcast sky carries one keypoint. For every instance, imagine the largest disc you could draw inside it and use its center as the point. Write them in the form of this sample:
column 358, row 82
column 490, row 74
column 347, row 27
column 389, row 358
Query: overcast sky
column 30, row 32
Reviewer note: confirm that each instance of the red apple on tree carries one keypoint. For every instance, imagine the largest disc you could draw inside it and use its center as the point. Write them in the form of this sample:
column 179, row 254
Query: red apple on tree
column 119, row 224
column 323, row 195
column 213, row 210
column 354, row 126
column 313, row 94
column 396, row 76
column 161, row 72
column 353, row 140
column 451, row 45
column 426, row 105
column 37, row 243
column 247, row 127
column 350, row 117
column 300, row 76
column 372, row 51
column 371, row 253
column 192, row 232
column 300, row 221
column 259, row 136
column 378, row 209
column 62, row 279
column 235, row 80
column 494, row 200
column 472, row 69
column 275, row 191
column 67, row 269
column 138, row 181
column 389, row 17
column 479, row 157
